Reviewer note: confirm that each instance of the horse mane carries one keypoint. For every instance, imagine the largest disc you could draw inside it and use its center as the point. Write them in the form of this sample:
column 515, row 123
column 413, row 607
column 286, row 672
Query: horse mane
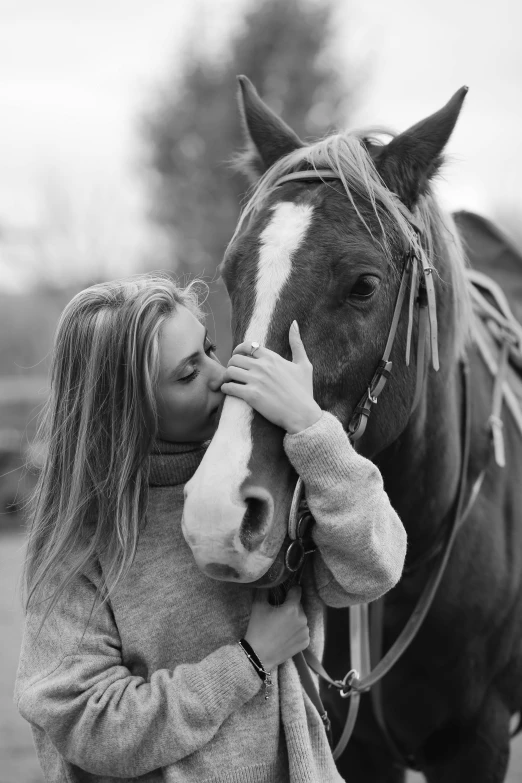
column 347, row 155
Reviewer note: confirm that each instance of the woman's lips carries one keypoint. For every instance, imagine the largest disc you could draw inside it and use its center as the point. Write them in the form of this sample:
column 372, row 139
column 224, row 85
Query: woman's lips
column 212, row 416
column 216, row 411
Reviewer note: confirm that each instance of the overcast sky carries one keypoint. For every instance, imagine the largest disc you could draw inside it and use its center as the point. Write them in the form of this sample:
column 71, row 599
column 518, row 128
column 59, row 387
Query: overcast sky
column 74, row 75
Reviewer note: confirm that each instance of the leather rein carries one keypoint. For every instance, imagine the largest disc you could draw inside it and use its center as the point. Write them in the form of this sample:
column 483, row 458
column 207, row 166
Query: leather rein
column 361, row 677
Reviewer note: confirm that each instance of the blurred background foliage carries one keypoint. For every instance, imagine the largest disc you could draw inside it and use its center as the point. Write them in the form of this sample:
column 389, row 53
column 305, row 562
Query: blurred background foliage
column 295, row 53
column 190, row 130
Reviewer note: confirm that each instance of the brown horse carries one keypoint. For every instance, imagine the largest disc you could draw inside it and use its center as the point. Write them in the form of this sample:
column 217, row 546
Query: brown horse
column 329, row 253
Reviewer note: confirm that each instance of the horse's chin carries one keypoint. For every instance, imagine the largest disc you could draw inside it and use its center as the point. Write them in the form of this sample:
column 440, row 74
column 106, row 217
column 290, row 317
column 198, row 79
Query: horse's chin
column 277, row 573
column 273, row 576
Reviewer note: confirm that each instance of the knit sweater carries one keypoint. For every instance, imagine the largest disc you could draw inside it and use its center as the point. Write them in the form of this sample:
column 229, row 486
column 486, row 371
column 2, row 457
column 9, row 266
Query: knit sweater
column 153, row 685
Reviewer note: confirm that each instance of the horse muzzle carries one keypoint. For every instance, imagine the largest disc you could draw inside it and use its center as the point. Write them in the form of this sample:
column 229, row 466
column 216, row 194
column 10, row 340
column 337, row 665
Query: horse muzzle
column 238, row 542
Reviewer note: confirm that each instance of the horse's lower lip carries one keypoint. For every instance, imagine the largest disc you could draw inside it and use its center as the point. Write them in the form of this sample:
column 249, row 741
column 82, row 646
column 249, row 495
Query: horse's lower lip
column 221, row 571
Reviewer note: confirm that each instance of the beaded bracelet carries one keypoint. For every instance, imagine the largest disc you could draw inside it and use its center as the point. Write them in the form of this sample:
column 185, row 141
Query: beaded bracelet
column 258, row 666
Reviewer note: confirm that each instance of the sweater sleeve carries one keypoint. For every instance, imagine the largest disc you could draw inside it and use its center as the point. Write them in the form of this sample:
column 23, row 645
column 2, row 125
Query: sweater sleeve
column 360, row 539
column 72, row 683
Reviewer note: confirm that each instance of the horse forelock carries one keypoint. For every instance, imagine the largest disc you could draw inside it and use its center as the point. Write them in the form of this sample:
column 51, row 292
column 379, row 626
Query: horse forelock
column 348, row 155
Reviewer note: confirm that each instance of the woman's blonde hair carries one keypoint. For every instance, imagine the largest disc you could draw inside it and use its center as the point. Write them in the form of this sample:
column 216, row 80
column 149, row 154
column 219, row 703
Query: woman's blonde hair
column 97, row 429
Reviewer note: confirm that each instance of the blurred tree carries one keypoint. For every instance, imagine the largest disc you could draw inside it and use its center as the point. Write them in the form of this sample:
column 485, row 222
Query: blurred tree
column 192, row 131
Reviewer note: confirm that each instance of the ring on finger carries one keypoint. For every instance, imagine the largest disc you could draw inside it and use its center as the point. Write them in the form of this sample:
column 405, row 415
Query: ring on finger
column 253, row 348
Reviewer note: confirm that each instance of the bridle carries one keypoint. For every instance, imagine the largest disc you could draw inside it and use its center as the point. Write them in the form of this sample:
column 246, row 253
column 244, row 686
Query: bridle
column 361, row 678
column 411, row 264
column 299, row 525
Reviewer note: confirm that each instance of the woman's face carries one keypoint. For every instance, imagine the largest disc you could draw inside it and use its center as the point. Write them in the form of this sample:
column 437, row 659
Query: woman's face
column 188, row 395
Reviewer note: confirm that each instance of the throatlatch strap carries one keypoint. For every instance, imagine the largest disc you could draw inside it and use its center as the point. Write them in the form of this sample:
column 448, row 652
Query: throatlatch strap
column 495, row 419
column 398, row 308
column 363, row 408
column 413, row 293
column 432, row 312
column 421, row 348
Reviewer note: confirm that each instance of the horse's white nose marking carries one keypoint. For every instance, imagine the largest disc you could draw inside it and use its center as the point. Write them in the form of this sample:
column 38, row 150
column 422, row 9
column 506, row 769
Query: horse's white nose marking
column 278, row 241
column 218, row 480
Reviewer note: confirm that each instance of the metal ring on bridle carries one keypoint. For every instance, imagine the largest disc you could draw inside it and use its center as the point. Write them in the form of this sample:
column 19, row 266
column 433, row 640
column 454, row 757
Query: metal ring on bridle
column 347, row 684
column 253, row 348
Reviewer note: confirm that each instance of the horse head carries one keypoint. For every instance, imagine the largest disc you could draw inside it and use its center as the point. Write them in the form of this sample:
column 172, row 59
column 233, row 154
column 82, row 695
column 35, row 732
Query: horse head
column 328, row 253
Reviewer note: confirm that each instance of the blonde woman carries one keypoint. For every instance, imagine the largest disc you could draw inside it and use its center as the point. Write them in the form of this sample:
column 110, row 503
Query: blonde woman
column 130, row 665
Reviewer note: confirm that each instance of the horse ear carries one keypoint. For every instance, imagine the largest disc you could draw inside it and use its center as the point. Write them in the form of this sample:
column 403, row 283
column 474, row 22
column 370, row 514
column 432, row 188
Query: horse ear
column 409, row 161
column 267, row 137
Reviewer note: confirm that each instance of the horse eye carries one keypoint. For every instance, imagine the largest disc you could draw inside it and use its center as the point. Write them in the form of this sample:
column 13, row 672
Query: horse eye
column 365, row 287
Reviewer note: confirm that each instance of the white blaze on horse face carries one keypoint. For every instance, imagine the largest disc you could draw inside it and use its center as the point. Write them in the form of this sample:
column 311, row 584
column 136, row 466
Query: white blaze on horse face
column 279, row 241
column 214, row 508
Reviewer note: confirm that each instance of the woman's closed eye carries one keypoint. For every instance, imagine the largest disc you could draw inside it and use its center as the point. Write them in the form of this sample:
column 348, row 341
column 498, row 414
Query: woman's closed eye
column 209, row 348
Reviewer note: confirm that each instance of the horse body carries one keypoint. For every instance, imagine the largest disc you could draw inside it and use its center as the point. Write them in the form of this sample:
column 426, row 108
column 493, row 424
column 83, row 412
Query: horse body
column 333, row 264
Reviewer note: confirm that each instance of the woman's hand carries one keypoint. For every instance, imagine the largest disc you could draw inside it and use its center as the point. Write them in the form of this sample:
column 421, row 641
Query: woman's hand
column 277, row 633
column 279, row 390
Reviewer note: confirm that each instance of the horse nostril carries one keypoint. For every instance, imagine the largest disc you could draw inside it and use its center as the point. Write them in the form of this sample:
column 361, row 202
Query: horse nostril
column 253, row 526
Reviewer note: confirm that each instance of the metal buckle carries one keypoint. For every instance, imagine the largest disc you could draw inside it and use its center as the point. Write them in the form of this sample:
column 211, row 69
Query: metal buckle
column 373, row 400
column 346, row 687
column 302, row 524
column 294, row 556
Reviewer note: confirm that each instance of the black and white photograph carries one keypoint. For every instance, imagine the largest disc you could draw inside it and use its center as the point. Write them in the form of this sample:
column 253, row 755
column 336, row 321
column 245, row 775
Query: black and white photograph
column 260, row 391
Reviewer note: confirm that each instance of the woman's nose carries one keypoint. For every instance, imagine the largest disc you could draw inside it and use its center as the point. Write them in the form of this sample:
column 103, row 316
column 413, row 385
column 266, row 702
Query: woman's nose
column 217, row 375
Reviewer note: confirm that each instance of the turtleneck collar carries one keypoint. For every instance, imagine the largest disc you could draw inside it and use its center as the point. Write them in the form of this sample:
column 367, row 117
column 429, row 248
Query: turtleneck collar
column 174, row 463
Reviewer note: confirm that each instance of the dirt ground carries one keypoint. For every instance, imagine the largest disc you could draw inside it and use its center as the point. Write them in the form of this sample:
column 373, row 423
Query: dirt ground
column 18, row 762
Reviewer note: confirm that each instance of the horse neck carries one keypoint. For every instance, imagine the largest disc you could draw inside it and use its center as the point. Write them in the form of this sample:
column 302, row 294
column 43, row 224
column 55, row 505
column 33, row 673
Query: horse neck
column 421, row 469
